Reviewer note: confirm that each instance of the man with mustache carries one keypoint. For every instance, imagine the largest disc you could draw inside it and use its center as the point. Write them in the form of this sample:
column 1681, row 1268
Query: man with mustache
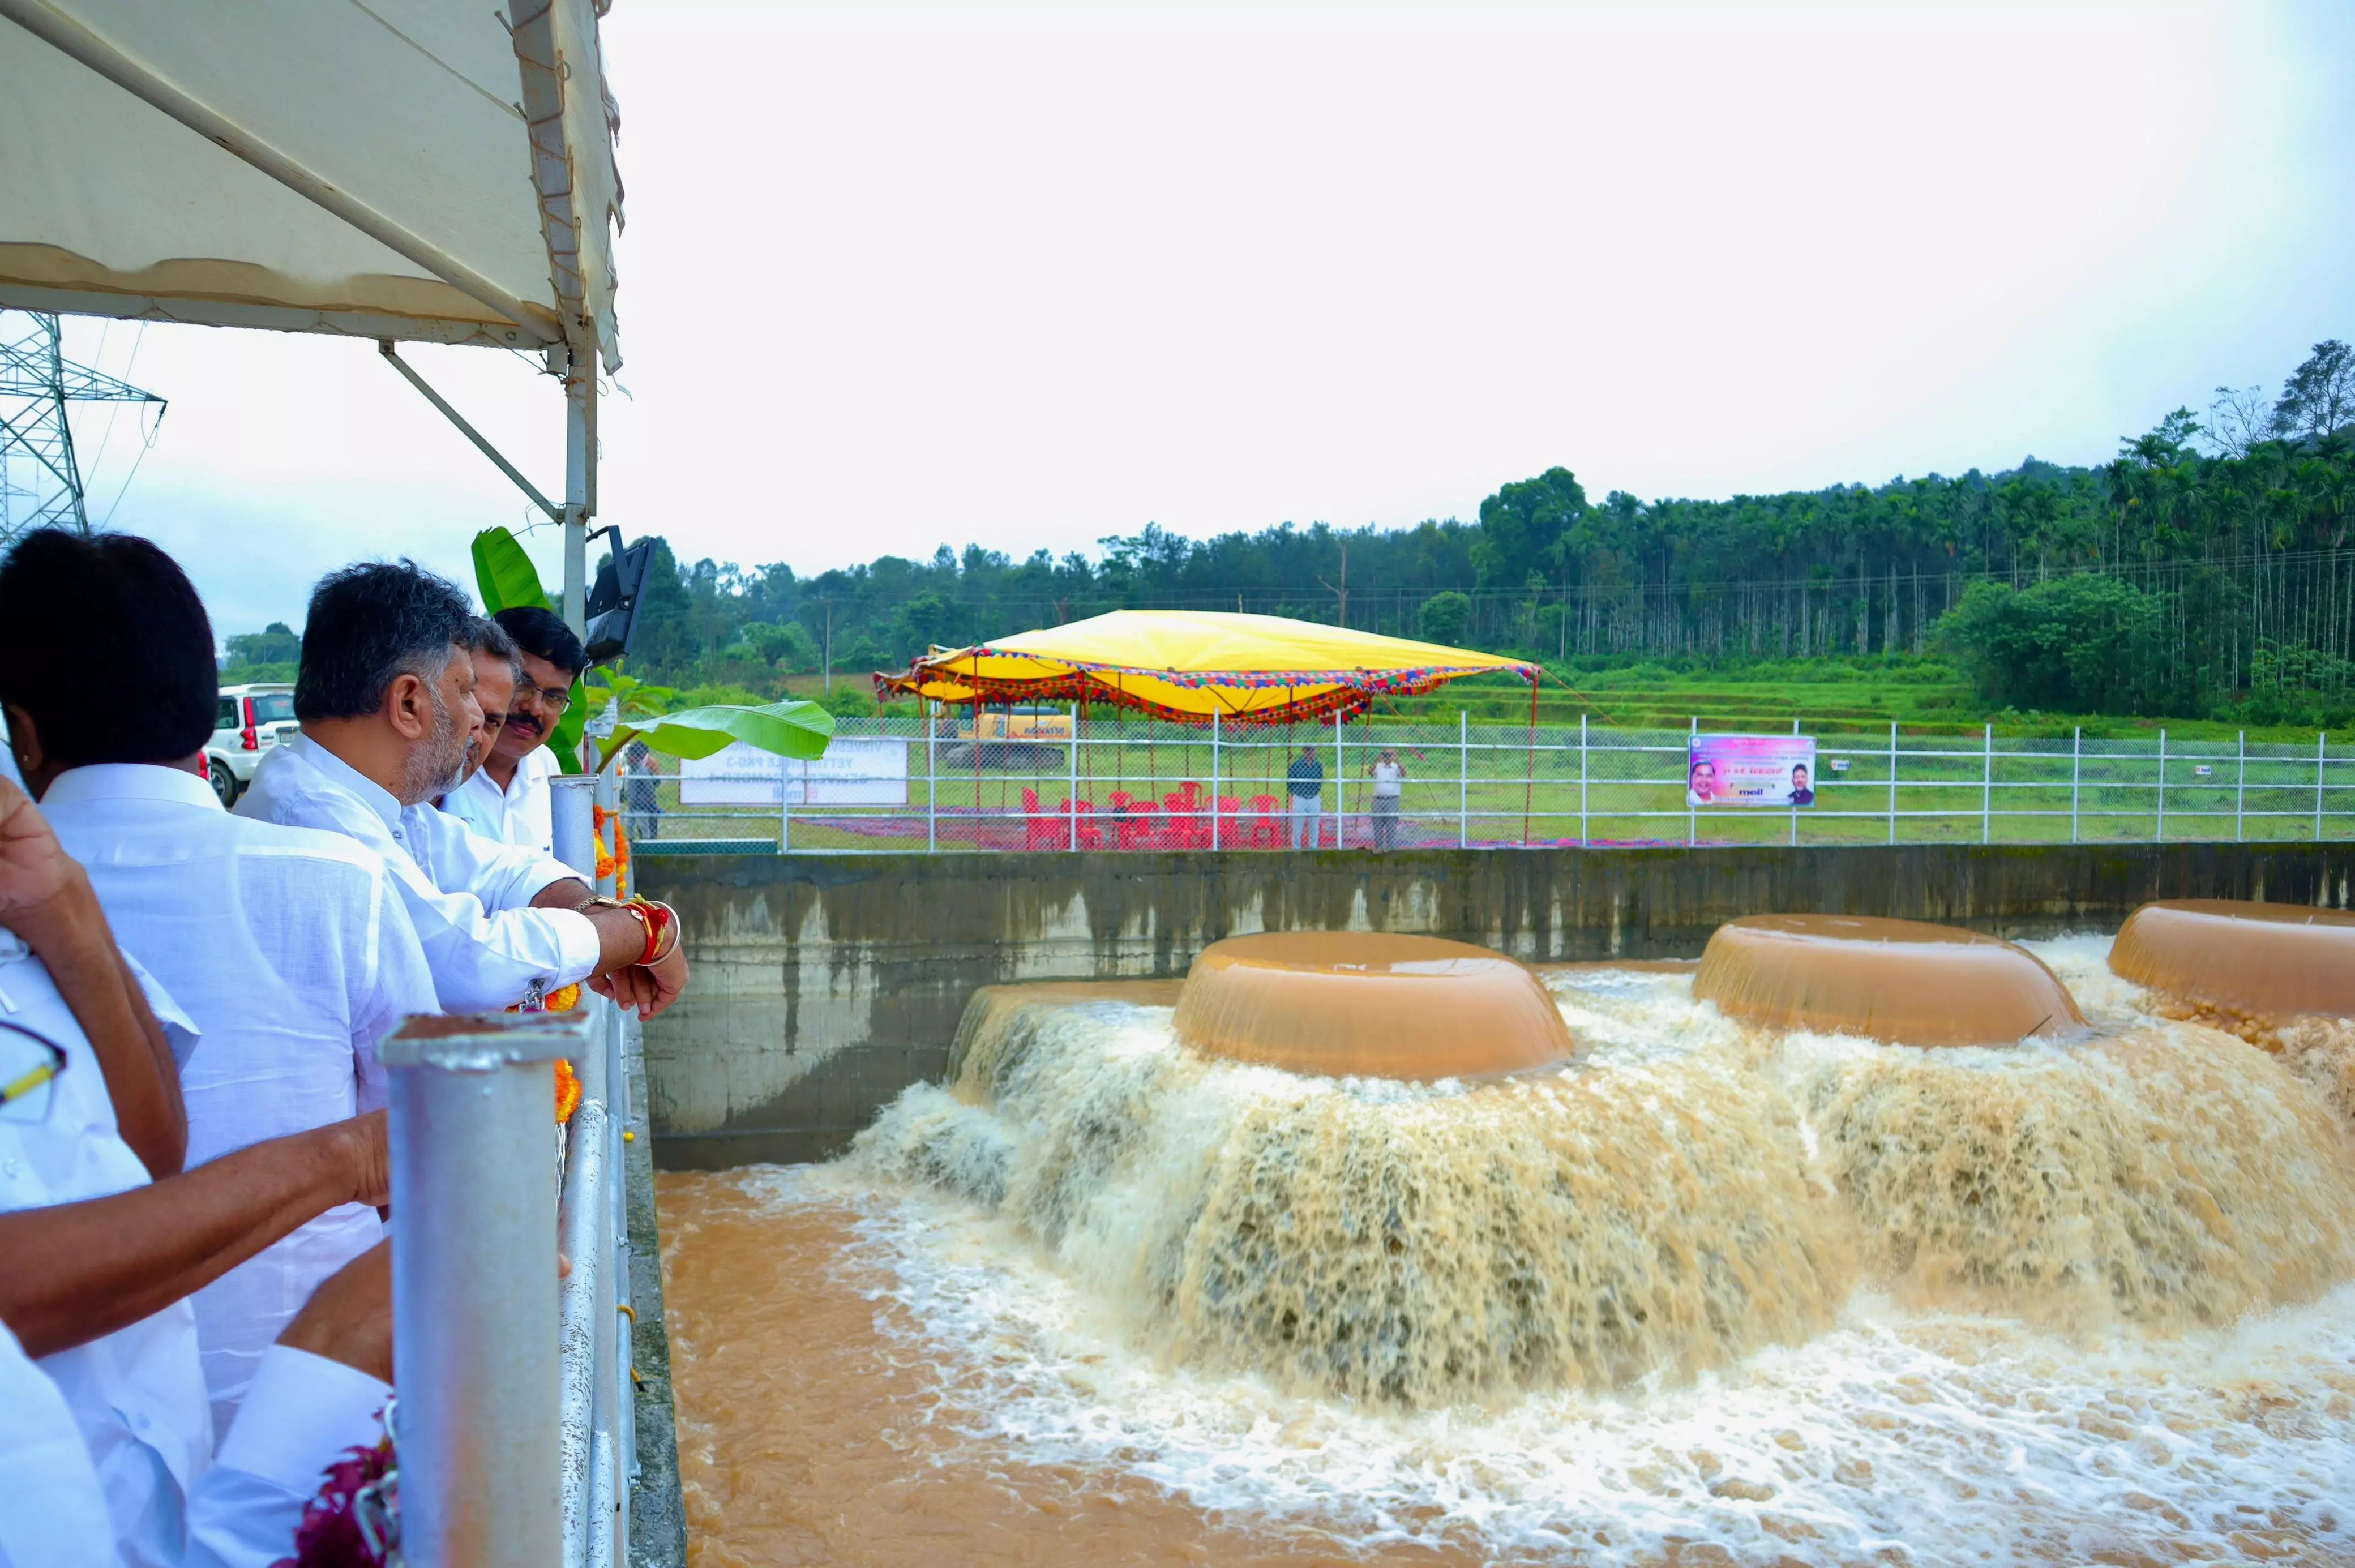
column 386, row 695
column 508, row 798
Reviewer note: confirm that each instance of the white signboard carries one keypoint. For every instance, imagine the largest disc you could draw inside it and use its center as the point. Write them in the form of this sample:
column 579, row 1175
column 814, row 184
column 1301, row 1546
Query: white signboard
column 856, row 771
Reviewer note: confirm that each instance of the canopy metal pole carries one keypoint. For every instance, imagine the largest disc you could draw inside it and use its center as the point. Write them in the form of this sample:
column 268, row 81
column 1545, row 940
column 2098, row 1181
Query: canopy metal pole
column 580, row 481
column 932, row 782
column 1214, row 778
column 1071, row 807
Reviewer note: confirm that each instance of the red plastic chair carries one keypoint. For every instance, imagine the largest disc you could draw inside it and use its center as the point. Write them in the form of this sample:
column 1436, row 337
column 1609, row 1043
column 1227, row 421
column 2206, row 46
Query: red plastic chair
column 1091, row 835
column 1266, row 829
column 1136, row 830
column 1231, row 833
column 1041, row 831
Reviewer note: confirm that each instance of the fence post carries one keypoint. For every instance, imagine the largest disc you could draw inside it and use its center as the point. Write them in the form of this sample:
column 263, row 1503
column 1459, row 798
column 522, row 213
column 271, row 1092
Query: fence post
column 1794, row 810
column 2321, row 760
column 2159, row 833
column 1214, row 778
column 1893, row 781
column 931, row 785
column 1581, row 781
column 1986, row 785
column 1071, row 807
column 2240, row 788
column 1462, row 779
column 1340, row 789
column 2076, row 772
column 1692, row 813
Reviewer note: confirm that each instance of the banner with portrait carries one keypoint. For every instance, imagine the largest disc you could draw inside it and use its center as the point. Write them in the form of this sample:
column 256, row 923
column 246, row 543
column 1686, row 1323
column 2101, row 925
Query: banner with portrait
column 1751, row 770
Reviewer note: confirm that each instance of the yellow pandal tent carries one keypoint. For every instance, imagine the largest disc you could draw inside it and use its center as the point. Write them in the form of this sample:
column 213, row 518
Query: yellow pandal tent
column 1188, row 665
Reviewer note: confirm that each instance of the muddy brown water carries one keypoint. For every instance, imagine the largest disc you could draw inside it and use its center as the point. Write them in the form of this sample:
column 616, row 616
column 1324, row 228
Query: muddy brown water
column 1772, row 1299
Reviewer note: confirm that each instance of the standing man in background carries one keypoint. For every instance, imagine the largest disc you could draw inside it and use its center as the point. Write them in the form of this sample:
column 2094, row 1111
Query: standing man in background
column 1306, row 781
column 1389, row 786
column 508, row 798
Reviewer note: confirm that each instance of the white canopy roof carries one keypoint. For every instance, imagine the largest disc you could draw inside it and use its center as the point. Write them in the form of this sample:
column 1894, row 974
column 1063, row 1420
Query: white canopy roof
column 385, row 168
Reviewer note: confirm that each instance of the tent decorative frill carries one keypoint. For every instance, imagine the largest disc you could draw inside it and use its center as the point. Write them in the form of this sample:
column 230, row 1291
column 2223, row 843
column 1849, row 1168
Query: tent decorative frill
column 1190, row 666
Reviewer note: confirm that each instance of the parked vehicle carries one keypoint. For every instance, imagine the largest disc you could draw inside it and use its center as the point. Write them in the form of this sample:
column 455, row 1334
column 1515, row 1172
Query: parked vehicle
column 252, row 719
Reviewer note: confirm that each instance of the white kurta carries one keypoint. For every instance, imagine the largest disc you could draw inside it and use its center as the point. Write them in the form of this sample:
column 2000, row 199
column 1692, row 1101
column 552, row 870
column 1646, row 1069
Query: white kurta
column 137, row 1394
column 304, row 1411
column 522, row 813
column 468, row 898
column 55, row 1515
column 293, row 951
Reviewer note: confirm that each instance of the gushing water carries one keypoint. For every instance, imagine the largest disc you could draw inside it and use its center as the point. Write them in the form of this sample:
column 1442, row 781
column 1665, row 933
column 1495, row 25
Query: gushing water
column 1798, row 1296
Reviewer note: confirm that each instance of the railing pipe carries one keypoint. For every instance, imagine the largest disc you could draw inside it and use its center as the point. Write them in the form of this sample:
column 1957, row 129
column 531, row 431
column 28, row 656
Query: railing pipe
column 569, row 797
column 474, row 1286
column 2076, row 770
column 1462, row 779
column 2240, row 788
column 1986, row 786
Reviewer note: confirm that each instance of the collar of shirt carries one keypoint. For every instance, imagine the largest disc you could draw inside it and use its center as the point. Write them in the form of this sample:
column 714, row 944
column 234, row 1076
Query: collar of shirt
column 344, row 776
column 131, row 781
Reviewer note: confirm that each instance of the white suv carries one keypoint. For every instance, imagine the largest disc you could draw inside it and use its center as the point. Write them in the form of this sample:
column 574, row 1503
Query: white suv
column 252, row 719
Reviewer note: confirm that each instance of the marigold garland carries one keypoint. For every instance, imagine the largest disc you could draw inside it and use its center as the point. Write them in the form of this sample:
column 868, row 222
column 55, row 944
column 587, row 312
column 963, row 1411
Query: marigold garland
column 567, row 1091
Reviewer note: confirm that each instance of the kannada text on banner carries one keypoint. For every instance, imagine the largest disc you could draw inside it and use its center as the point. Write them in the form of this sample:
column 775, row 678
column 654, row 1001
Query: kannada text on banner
column 1751, row 770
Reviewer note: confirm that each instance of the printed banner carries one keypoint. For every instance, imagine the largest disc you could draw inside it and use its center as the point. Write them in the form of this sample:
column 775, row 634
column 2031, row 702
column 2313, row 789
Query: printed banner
column 856, row 770
column 1751, row 770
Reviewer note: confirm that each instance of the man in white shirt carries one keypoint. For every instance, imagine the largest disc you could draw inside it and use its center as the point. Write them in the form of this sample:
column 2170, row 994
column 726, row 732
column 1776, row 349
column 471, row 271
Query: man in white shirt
column 102, row 1237
column 508, row 798
column 385, row 697
column 288, row 947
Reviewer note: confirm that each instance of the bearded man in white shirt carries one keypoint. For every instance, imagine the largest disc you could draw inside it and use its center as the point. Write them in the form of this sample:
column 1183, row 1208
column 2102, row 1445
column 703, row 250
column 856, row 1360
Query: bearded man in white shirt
column 288, row 947
column 104, row 1237
column 385, row 698
column 507, row 797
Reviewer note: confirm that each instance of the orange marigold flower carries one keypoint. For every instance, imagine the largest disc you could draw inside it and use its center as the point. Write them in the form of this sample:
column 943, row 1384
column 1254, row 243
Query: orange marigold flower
column 567, row 1091
column 565, row 1000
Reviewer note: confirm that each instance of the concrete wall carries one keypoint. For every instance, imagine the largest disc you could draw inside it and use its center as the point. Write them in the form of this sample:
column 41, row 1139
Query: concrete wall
column 823, row 986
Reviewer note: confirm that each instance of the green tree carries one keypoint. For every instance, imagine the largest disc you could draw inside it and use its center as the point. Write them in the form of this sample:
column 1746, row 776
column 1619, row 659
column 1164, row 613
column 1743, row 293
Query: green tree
column 1444, row 617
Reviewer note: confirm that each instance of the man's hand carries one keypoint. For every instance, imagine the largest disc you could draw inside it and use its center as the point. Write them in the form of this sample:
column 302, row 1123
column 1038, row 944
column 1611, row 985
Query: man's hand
column 361, row 1159
column 648, row 987
column 42, row 891
column 349, row 1317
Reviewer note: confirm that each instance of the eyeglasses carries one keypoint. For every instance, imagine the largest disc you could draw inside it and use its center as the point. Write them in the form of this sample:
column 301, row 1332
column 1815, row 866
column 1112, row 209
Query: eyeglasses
column 29, row 1063
column 555, row 700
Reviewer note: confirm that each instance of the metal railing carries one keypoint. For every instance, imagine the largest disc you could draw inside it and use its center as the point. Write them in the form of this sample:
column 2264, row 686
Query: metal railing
column 927, row 783
column 518, row 1439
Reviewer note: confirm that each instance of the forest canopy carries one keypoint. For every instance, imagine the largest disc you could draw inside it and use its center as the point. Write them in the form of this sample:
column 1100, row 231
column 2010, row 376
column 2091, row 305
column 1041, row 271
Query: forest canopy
column 2205, row 570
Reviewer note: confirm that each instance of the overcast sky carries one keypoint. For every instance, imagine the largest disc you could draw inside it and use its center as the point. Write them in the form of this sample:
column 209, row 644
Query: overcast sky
column 897, row 276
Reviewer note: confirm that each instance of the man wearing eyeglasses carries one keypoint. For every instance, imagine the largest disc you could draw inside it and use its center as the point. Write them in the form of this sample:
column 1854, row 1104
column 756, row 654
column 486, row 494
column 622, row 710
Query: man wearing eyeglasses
column 506, row 798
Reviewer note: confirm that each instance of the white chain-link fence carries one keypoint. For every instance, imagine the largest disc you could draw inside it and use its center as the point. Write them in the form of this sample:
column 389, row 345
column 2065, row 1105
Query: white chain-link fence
column 1056, row 782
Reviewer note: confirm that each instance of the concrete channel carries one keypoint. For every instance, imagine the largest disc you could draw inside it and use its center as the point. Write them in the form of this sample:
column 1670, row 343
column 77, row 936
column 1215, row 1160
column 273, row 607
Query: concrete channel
column 825, row 985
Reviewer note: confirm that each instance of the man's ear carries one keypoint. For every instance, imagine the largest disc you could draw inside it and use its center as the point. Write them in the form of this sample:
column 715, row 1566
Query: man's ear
column 25, row 740
column 408, row 707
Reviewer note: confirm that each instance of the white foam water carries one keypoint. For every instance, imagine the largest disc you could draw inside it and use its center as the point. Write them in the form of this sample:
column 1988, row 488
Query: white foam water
column 2056, row 1304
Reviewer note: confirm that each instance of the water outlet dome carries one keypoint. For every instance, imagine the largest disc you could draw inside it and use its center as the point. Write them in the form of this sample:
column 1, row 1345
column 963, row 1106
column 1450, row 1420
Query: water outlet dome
column 1368, row 1003
column 2254, row 959
column 1905, row 982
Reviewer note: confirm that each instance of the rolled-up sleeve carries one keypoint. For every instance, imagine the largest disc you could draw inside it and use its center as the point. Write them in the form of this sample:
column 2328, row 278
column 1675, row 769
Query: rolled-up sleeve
column 303, row 1414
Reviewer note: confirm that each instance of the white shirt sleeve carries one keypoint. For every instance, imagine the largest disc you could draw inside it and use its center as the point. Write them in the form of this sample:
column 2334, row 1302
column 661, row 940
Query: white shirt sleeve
column 301, row 1414
column 503, row 876
column 484, row 961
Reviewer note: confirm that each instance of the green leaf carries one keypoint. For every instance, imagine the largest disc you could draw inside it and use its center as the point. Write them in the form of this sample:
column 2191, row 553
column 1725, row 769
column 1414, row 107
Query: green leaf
column 504, row 575
column 787, row 728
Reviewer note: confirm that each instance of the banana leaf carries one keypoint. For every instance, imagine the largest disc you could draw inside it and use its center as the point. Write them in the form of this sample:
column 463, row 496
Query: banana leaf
column 506, row 580
column 800, row 730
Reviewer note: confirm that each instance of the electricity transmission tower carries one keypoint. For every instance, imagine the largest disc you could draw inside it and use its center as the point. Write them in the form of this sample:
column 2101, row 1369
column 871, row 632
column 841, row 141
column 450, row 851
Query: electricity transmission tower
column 40, row 482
